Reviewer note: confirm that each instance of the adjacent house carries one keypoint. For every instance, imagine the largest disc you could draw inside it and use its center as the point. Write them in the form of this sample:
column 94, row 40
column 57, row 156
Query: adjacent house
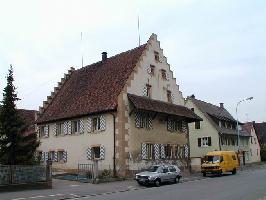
column 125, row 111
column 253, row 143
column 29, row 117
column 217, row 131
column 260, row 129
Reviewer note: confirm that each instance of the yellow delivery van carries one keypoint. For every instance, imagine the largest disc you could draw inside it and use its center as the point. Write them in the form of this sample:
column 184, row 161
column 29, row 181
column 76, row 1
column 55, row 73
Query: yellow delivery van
column 219, row 162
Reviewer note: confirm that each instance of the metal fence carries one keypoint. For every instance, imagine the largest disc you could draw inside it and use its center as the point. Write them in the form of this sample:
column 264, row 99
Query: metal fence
column 21, row 174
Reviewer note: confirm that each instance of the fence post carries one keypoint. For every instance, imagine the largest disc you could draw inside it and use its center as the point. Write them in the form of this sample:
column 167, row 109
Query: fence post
column 49, row 173
column 95, row 170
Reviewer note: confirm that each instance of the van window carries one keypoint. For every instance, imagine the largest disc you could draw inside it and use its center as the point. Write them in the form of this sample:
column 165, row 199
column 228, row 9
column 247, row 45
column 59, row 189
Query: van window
column 213, row 159
column 234, row 157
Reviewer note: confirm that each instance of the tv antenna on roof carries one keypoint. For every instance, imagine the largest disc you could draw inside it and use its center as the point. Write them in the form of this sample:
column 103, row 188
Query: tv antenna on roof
column 138, row 30
column 81, row 41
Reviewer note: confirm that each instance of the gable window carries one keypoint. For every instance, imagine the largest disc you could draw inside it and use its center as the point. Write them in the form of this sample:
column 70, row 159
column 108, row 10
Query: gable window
column 150, row 151
column 197, row 125
column 60, row 129
column 204, row 142
column 152, row 70
column 163, row 73
column 156, row 56
column 96, row 123
column 169, row 96
column 75, row 126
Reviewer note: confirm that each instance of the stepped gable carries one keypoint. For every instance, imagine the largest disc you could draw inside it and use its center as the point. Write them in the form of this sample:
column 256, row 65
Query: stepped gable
column 93, row 88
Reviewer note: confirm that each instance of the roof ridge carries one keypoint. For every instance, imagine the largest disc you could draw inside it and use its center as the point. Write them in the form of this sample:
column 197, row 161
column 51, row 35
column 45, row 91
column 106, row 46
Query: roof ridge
column 116, row 55
column 208, row 103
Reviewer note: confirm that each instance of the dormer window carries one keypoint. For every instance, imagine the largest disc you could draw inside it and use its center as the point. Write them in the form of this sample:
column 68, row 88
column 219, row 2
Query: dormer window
column 169, row 96
column 163, row 74
column 156, row 56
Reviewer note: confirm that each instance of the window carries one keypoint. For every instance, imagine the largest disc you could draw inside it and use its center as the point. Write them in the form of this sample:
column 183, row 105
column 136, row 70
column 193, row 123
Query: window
column 192, row 109
column 197, row 125
column 148, row 90
column 204, row 142
column 156, row 56
column 179, row 152
column 168, row 151
column 60, row 156
column 96, row 123
column 169, row 96
column 220, row 124
column 251, row 141
column 172, row 169
column 95, row 152
column 163, row 74
column 150, row 151
column 42, row 131
column 75, row 126
column 233, row 157
column 51, row 155
column 143, row 120
column 174, row 125
column 152, row 70
column 60, row 129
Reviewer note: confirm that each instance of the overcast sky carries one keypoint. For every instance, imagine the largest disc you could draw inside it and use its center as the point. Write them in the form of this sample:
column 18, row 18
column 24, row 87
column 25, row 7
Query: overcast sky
column 216, row 49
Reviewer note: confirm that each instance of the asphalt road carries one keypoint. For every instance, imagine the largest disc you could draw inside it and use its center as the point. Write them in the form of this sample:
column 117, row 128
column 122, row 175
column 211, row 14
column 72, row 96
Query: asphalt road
column 249, row 184
column 245, row 186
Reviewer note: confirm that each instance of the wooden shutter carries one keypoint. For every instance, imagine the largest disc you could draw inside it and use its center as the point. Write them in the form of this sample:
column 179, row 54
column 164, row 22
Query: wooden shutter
column 69, row 129
column 145, row 90
column 144, row 155
column 81, row 122
column 43, row 156
column 149, row 69
column 102, row 123
column 64, row 156
column 54, row 129
column 89, row 125
column 46, row 131
column 149, row 122
column 186, row 150
column 137, row 119
column 55, row 156
column 169, row 124
column 162, row 151
column 157, row 151
column 65, row 128
column 199, row 142
column 88, row 153
column 102, row 152
column 209, row 141
column 46, row 156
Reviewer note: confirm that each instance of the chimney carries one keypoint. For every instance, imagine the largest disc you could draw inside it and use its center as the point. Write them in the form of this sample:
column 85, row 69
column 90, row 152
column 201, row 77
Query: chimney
column 192, row 96
column 104, row 56
column 221, row 105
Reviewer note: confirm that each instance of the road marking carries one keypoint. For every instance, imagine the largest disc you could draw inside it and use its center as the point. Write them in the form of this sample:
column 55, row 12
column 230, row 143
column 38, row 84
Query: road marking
column 19, row 199
column 74, row 195
column 36, row 197
column 53, row 195
column 74, row 185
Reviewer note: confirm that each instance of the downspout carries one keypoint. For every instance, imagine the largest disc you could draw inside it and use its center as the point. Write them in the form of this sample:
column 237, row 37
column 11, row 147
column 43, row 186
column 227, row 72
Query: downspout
column 114, row 165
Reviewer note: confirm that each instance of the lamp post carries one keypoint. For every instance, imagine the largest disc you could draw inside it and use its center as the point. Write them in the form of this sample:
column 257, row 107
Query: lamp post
column 237, row 125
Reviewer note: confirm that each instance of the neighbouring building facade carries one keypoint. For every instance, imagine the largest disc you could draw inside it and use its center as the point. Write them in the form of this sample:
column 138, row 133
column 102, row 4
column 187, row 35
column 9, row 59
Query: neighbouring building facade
column 29, row 117
column 254, row 151
column 217, row 131
column 260, row 129
column 125, row 111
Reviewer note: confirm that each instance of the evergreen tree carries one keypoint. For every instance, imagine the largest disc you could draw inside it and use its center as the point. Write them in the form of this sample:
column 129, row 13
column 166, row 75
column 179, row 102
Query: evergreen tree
column 16, row 147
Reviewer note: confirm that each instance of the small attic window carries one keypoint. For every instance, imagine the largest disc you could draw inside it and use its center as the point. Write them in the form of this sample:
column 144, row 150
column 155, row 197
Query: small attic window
column 169, row 96
column 163, row 74
column 152, row 71
column 156, row 56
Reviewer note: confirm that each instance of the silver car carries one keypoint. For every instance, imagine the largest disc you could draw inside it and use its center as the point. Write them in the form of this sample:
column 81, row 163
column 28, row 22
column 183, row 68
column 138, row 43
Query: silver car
column 158, row 174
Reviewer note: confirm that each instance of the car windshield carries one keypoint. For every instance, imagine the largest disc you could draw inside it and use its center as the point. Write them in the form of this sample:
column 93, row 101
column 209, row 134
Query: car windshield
column 152, row 168
column 213, row 159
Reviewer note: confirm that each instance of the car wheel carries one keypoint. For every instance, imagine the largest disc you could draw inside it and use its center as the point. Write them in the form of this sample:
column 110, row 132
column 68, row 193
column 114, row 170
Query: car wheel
column 204, row 174
column 140, row 183
column 157, row 182
column 177, row 179
column 234, row 171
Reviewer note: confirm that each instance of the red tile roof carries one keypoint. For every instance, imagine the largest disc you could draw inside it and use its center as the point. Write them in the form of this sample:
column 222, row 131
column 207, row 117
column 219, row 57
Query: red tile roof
column 92, row 89
column 145, row 103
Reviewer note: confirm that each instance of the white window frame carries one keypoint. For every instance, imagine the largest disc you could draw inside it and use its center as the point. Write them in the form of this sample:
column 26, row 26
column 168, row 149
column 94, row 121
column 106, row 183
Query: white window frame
column 60, row 128
column 96, row 121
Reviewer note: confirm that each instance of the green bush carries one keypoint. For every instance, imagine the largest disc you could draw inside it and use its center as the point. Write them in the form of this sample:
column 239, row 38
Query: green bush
column 263, row 154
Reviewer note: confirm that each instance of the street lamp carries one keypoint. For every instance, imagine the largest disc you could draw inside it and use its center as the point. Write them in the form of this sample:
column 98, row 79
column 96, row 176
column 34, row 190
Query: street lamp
column 237, row 128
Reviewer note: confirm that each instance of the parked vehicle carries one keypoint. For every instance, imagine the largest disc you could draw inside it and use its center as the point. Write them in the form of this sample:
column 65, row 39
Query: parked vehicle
column 219, row 162
column 158, row 174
